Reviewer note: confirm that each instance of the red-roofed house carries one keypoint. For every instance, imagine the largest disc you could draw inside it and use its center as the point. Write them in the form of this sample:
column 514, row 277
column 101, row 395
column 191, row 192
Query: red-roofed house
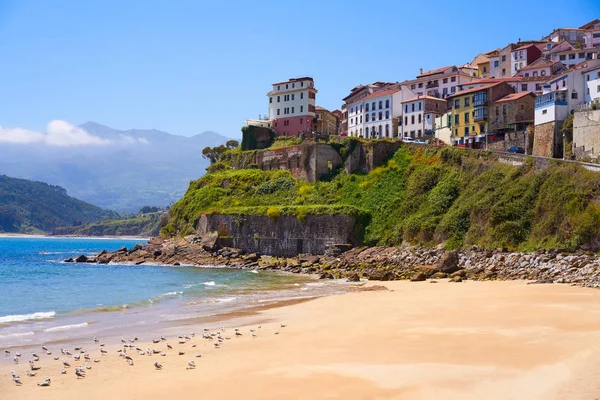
column 292, row 106
column 523, row 56
column 441, row 82
column 419, row 114
column 513, row 112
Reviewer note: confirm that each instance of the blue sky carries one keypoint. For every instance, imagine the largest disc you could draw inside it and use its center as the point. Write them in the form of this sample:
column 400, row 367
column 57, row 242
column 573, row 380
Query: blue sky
column 190, row 66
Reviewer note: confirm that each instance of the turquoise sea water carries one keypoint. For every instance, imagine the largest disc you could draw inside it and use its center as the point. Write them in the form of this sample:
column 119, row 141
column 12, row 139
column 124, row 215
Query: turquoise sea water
column 42, row 298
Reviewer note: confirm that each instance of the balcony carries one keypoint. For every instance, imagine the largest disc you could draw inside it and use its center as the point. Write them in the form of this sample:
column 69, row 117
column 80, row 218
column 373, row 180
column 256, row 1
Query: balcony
column 553, row 98
column 480, row 99
column 480, row 114
column 432, row 85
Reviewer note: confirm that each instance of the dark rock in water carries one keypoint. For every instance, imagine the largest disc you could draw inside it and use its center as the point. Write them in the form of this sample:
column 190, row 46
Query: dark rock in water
column 353, row 278
column 420, row 277
column 326, row 275
column 135, row 248
column 209, row 241
column 122, row 250
column 91, row 260
column 69, row 260
column 103, row 261
column 448, row 263
column 81, row 259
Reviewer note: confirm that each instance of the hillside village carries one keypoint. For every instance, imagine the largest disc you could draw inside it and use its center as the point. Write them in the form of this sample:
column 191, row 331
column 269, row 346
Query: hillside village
column 512, row 98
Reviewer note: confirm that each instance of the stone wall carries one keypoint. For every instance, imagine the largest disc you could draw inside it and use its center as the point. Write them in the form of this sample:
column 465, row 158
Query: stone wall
column 367, row 156
column 285, row 236
column 511, row 139
column 547, row 141
column 586, row 134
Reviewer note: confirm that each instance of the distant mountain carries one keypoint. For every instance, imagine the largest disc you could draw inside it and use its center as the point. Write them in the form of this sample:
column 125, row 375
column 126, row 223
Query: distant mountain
column 136, row 167
column 35, row 207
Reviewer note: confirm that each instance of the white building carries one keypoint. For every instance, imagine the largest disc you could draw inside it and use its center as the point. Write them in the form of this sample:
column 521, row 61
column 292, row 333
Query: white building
column 418, row 116
column 375, row 115
column 441, row 82
column 591, row 81
column 292, row 106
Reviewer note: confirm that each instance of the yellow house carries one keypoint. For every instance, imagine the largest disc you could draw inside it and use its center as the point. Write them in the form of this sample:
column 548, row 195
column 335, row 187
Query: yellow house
column 471, row 110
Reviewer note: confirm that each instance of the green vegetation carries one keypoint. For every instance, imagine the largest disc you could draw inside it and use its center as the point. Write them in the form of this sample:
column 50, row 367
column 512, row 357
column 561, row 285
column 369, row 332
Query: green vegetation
column 213, row 154
column 36, row 207
column 141, row 225
column 421, row 195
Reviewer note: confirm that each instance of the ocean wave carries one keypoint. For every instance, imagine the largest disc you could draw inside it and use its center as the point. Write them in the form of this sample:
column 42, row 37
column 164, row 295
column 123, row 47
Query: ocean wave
column 18, row 334
column 170, row 294
column 26, row 317
column 66, row 327
column 211, row 283
column 254, row 271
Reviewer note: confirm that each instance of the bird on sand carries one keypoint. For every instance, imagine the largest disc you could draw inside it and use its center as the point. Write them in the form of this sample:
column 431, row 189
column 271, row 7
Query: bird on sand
column 17, row 380
column 63, row 371
column 157, row 365
column 45, row 383
column 80, row 373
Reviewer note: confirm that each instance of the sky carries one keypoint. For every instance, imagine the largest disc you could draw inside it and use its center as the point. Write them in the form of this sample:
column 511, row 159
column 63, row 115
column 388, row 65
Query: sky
column 186, row 67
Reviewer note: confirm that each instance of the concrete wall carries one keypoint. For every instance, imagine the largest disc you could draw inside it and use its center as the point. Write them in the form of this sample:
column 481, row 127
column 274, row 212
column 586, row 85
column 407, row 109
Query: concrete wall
column 285, row 236
column 586, row 134
column 547, row 140
column 511, row 139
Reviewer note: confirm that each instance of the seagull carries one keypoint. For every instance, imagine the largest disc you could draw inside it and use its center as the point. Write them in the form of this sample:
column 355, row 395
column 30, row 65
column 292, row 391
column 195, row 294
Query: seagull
column 48, row 353
column 45, row 383
column 277, row 332
column 18, row 354
column 130, row 362
column 163, row 338
column 259, row 326
column 76, row 357
column 86, row 356
column 14, row 374
column 63, row 371
column 157, row 365
column 44, row 348
column 79, row 373
column 65, row 363
column 55, row 358
column 123, row 340
column 181, row 353
column 88, row 366
column 16, row 360
column 169, row 346
column 18, row 381
column 96, row 340
column 77, row 349
column 7, row 351
column 163, row 354
column 283, row 325
column 127, row 357
column 156, row 341
column 238, row 333
column 103, row 351
column 254, row 334
column 197, row 355
column 29, row 373
column 216, row 344
column 34, row 368
column 191, row 365
column 96, row 360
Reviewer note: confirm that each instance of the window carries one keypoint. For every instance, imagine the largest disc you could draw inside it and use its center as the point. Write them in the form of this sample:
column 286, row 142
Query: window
column 457, row 103
column 445, row 91
column 419, row 106
column 574, row 96
column 420, row 118
column 278, row 87
column 400, row 121
column 503, row 71
column 445, row 80
column 361, row 108
column 497, row 110
column 373, row 106
column 544, row 112
column 467, row 101
column 387, row 131
column 538, row 87
column 372, row 116
column 413, row 86
column 581, row 55
column 467, row 118
column 419, row 133
column 453, row 79
column 503, row 58
column 387, row 115
column 456, row 132
column 406, row 108
column 562, row 57
column 598, row 88
column 571, row 56
column 292, row 110
column 301, row 95
column 484, row 70
column 278, row 111
column 367, row 107
column 466, row 131
column 456, row 119
column 543, row 72
column 367, row 131
column 420, row 85
column 412, row 119
column 524, row 87
column 428, row 116
column 413, row 107
column 292, row 96
column 453, row 89
column 380, row 104
column 286, row 86
column 496, row 64
column 301, row 84
column 361, row 119
column 270, row 100
column 380, row 115
column 387, row 104
column 278, row 99
column 301, row 108
column 366, row 117
column 405, row 120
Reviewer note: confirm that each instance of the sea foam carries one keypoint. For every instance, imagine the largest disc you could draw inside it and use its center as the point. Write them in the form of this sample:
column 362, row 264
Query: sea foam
column 26, row 317
column 66, row 327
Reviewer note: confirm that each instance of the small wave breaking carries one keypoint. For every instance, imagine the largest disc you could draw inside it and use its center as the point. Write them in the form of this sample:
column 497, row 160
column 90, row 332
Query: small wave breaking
column 66, row 327
column 26, row 317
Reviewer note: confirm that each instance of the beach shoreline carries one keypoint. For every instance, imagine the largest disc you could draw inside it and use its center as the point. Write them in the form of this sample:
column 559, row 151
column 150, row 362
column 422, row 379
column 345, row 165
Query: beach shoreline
column 417, row 340
column 49, row 236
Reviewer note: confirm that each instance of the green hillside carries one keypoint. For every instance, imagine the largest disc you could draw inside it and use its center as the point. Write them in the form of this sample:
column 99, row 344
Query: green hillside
column 36, row 207
column 421, row 195
column 141, row 225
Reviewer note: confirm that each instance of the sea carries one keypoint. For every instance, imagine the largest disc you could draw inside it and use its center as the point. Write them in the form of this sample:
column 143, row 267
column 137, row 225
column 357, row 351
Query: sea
column 44, row 299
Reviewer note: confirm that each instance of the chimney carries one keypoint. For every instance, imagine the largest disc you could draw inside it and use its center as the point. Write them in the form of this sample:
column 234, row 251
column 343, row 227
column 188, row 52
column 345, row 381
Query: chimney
column 420, row 71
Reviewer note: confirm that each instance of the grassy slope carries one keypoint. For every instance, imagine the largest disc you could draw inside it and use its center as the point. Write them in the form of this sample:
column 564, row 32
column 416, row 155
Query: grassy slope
column 426, row 196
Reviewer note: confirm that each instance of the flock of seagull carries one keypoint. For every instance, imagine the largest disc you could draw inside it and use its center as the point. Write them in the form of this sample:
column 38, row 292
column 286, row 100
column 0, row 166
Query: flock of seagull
column 128, row 349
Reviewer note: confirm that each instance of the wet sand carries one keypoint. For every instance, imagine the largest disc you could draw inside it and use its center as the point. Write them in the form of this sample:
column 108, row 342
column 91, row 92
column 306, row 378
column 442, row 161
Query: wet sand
column 470, row 340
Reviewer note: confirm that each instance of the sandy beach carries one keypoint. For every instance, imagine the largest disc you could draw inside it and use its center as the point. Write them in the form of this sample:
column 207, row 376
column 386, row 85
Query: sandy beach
column 470, row 340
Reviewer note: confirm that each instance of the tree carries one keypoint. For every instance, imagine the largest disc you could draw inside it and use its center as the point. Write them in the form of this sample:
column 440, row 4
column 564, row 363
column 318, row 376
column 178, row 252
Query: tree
column 213, row 153
column 232, row 144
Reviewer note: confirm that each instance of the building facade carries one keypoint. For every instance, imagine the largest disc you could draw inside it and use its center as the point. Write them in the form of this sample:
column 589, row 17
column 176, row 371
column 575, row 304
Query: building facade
column 591, row 81
column 325, row 122
column 513, row 112
column 441, row 82
column 523, row 56
column 292, row 106
column 418, row 119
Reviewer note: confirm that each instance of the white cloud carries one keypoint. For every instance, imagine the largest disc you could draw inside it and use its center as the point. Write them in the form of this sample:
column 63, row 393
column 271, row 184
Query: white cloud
column 58, row 133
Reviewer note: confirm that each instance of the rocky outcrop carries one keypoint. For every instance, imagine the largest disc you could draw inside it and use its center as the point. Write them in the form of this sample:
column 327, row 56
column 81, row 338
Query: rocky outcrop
column 380, row 263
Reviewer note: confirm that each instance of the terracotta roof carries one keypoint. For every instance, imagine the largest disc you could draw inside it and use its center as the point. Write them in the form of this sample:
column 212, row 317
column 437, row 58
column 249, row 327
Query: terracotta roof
column 590, row 24
column 497, row 80
column 524, row 47
column 493, row 53
column 435, row 71
column 468, row 91
column 381, row 93
column 514, row 96
column 539, row 63
column 423, row 97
